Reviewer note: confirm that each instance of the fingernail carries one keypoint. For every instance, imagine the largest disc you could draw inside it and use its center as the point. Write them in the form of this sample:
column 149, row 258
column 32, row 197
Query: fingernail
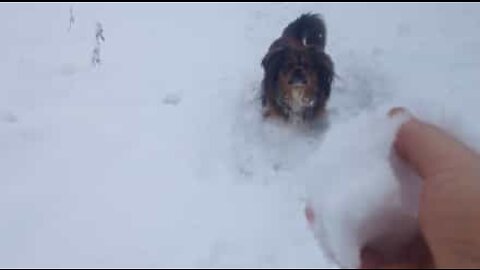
column 398, row 111
column 309, row 215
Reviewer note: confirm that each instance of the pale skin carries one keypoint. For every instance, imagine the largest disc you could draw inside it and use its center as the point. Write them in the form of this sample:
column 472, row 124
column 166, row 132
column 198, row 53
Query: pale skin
column 449, row 216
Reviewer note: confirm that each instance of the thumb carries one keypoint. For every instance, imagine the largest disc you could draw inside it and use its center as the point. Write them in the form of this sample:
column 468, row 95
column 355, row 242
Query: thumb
column 428, row 149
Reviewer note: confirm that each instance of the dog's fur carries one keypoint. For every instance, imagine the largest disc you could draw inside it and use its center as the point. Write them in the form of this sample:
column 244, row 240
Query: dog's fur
column 298, row 73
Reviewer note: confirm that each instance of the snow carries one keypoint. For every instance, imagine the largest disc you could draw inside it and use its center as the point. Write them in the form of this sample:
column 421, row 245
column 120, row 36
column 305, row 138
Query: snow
column 159, row 157
column 371, row 201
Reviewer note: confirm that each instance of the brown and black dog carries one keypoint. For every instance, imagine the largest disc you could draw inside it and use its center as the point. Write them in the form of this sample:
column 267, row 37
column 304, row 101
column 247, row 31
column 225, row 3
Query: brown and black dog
column 298, row 73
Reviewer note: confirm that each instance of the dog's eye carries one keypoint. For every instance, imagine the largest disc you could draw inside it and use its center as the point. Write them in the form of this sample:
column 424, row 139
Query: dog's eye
column 288, row 66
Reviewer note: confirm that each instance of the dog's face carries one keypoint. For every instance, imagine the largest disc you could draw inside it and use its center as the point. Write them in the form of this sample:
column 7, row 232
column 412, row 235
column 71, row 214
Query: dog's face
column 297, row 80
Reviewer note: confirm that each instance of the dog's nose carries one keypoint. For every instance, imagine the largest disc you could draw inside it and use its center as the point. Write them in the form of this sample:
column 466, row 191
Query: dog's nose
column 298, row 77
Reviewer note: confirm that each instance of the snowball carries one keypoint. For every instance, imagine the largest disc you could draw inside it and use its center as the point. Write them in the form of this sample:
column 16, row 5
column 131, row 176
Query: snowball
column 355, row 190
column 361, row 193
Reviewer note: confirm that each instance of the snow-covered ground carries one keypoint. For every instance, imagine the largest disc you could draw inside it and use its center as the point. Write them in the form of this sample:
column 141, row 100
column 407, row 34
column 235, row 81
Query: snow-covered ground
column 158, row 157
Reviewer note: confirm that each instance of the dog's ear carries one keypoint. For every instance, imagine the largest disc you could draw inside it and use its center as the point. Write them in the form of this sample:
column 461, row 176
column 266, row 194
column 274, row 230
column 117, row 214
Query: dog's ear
column 325, row 69
column 271, row 63
column 274, row 57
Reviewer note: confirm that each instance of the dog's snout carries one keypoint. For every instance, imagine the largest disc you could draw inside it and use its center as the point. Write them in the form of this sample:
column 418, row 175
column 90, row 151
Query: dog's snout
column 298, row 77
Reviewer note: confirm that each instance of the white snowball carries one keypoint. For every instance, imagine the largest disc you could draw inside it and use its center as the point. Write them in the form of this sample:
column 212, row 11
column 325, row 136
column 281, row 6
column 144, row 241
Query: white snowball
column 354, row 190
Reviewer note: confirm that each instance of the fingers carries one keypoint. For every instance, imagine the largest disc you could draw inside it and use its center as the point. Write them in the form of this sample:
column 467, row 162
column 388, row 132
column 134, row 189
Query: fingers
column 371, row 259
column 309, row 215
column 414, row 255
column 428, row 149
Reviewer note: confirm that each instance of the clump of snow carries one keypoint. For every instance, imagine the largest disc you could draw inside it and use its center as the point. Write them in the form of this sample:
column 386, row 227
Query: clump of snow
column 354, row 191
column 361, row 193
